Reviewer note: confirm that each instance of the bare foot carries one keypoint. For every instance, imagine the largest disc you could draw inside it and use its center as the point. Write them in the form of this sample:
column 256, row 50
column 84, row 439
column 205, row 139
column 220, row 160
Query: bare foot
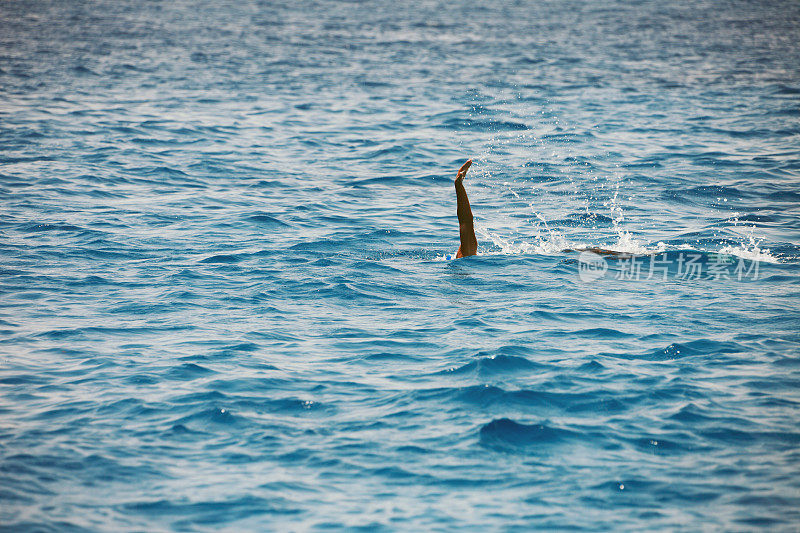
column 463, row 170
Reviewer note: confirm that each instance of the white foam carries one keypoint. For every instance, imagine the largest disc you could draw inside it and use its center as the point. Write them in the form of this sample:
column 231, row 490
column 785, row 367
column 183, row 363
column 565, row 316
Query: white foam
column 750, row 251
column 551, row 242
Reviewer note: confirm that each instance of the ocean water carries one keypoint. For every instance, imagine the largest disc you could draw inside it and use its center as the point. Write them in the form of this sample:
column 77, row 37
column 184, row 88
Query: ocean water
column 226, row 303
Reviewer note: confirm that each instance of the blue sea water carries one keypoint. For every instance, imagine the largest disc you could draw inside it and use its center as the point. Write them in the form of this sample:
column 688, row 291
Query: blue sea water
column 226, row 303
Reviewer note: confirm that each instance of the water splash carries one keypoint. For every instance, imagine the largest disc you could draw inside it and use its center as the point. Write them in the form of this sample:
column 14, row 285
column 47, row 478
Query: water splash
column 549, row 241
column 750, row 250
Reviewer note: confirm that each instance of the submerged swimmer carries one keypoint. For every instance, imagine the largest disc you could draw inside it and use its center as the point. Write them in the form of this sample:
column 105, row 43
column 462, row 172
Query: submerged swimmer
column 466, row 228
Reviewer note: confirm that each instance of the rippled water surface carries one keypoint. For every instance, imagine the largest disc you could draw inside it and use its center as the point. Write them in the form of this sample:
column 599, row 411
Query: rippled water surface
column 226, row 302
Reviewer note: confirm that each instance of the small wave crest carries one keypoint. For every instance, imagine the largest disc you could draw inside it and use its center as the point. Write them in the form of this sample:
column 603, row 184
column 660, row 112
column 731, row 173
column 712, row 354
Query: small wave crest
column 506, row 433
